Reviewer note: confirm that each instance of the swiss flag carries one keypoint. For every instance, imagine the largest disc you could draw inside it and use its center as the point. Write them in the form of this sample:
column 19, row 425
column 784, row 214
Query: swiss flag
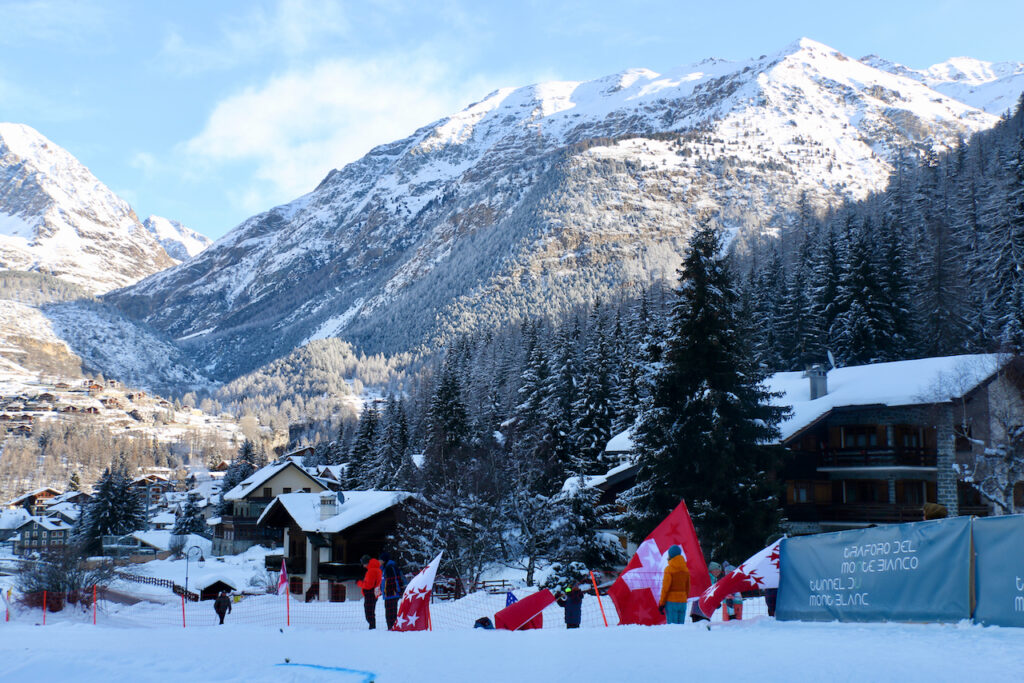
column 759, row 572
column 282, row 580
column 414, row 610
column 638, row 589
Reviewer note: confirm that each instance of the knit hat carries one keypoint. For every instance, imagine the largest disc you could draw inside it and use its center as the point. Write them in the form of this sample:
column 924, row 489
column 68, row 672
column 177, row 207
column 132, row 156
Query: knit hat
column 364, row 560
column 674, row 551
column 713, row 566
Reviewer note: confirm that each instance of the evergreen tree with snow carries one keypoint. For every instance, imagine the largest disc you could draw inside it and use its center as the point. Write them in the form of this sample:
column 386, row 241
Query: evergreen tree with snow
column 861, row 329
column 594, row 406
column 189, row 519
column 116, row 509
column 361, row 454
column 706, row 437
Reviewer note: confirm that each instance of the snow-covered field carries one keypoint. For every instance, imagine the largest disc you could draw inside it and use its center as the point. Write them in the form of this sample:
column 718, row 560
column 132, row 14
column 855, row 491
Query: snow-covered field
column 759, row 649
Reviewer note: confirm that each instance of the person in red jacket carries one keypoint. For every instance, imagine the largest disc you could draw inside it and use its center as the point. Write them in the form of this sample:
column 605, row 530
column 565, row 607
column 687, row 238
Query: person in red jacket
column 370, row 586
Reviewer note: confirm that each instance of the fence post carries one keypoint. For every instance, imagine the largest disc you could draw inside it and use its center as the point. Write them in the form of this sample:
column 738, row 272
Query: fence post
column 94, row 604
column 44, row 608
column 183, row 610
column 7, row 605
column 593, row 582
column 288, row 606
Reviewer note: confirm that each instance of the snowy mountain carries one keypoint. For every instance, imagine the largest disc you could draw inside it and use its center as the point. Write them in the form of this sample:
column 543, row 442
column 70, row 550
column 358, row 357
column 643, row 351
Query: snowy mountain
column 179, row 242
column 57, row 218
column 995, row 87
column 537, row 198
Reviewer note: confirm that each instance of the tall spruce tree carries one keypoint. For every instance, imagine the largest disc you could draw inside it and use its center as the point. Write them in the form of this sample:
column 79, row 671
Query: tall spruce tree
column 116, row 509
column 707, row 436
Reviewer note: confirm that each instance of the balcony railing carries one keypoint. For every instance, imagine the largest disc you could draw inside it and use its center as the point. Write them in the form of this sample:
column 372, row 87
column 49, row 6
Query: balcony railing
column 901, row 457
column 867, row 513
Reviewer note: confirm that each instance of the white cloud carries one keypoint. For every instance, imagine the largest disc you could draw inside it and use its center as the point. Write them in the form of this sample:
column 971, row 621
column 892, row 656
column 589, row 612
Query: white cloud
column 291, row 28
column 300, row 124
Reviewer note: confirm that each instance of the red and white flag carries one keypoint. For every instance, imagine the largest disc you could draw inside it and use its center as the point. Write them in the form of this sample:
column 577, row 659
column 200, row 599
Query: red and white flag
column 759, row 572
column 637, row 591
column 414, row 610
column 282, row 581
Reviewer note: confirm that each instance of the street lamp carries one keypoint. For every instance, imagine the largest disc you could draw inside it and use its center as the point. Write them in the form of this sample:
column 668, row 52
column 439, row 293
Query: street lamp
column 188, row 556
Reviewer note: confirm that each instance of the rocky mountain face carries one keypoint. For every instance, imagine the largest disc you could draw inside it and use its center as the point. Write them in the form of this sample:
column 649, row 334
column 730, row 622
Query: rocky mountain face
column 179, row 242
column 536, row 198
column 57, row 218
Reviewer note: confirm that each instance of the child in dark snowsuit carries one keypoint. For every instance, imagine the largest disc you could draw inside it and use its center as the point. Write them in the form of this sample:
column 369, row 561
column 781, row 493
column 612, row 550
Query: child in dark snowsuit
column 391, row 588
column 222, row 605
column 572, row 602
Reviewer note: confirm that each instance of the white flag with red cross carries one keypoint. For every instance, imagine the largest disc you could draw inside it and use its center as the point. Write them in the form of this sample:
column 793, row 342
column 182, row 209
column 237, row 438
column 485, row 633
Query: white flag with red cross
column 414, row 610
column 282, row 581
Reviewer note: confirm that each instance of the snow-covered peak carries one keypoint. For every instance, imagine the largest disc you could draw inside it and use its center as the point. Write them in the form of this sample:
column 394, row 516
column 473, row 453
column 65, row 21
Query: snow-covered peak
column 994, row 87
column 179, row 242
column 56, row 217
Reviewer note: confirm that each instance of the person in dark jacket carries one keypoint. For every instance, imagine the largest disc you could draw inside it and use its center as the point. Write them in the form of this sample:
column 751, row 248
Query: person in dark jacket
column 370, row 585
column 572, row 602
column 222, row 605
column 391, row 588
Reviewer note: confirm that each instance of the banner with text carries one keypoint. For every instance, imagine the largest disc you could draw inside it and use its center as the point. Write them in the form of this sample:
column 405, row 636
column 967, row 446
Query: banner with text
column 898, row 572
column 999, row 570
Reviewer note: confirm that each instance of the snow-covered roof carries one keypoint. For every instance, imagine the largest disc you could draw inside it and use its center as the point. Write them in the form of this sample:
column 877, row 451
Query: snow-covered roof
column 12, row 519
column 162, row 518
column 69, row 510
column 25, row 496
column 901, row 383
column 260, row 477
column 161, row 540
column 304, row 509
column 620, row 443
column 68, row 496
column 594, row 481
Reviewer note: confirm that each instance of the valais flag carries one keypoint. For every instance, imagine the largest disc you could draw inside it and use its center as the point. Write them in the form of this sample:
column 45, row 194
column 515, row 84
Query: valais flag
column 759, row 572
column 282, row 581
column 638, row 589
column 414, row 610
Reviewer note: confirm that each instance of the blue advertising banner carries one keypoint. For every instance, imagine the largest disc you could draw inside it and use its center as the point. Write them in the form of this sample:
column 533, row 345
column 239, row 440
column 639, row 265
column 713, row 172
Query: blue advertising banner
column 897, row 572
column 999, row 570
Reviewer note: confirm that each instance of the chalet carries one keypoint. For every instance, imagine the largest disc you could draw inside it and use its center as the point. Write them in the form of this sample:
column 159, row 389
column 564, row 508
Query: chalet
column 237, row 531
column 872, row 444
column 46, row 397
column 66, row 512
column 61, row 385
column 111, row 402
column 11, row 521
column 40, row 534
column 33, row 501
column 326, row 533
column 75, row 497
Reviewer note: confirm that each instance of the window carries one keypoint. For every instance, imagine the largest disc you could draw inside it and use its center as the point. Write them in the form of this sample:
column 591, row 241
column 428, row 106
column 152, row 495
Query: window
column 860, row 437
column 286, row 489
column 803, row 492
column 306, row 490
column 267, row 493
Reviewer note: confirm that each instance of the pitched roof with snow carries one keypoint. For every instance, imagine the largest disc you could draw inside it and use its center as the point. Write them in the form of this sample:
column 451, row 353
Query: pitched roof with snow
column 13, row 519
column 25, row 496
column 304, row 509
column 261, row 476
column 901, row 383
column 620, row 443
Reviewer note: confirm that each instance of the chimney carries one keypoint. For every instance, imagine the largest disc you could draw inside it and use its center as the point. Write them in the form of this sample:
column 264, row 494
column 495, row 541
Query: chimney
column 819, row 381
column 328, row 505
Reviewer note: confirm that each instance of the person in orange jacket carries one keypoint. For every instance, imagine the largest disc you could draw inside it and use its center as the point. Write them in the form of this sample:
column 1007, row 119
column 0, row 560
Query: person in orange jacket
column 370, row 585
column 675, row 587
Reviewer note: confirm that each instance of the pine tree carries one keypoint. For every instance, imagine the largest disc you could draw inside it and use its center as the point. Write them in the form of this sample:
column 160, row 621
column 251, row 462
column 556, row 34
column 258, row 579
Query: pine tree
column 240, row 469
column 861, row 328
column 360, row 455
column 75, row 482
column 115, row 510
column 594, row 406
column 190, row 519
column 705, row 438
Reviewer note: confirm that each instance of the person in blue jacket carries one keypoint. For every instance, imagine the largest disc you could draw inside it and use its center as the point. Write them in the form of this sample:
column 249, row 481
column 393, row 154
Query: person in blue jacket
column 390, row 588
column 572, row 602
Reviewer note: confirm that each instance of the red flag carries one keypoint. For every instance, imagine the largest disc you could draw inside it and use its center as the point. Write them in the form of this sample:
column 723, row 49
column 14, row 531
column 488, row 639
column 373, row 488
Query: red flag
column 759, row 572
column 282, row 581
column 526, row 613
column 638, row 589
column 414, row 610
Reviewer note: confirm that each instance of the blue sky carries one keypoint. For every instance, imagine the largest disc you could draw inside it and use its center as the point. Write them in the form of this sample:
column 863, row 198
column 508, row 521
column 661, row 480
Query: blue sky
column 210, row 111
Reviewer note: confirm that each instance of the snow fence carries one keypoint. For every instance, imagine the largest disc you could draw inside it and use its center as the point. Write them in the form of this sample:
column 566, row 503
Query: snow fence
column 134, row 609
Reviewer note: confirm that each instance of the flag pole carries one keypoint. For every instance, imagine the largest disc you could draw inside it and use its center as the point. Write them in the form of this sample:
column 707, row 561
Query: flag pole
column 593, row 582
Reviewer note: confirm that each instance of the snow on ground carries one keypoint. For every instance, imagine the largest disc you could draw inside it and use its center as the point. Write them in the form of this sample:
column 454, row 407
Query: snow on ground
column 760, row 649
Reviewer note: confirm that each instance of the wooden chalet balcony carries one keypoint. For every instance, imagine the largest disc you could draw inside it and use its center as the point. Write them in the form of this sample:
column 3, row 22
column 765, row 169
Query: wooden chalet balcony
column 867, row 513
column 245, row 529
column 899, row 457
